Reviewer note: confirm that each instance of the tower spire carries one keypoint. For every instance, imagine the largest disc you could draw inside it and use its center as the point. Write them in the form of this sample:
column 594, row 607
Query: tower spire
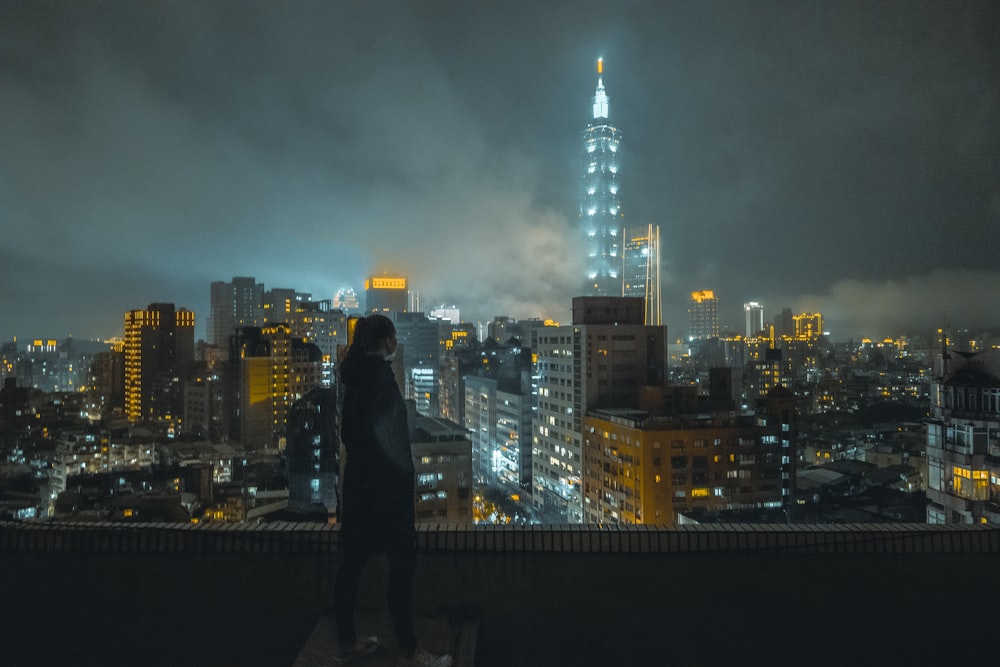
column 600, row 97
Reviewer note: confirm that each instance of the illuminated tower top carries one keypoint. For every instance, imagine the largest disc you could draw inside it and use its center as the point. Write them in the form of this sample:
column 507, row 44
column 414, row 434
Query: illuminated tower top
column 600, row 97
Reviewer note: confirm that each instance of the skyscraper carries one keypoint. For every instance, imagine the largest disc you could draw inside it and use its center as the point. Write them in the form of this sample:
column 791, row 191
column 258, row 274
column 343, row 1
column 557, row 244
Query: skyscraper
column 754, row 318
column 268, row 371
column 641, row 269
column 346, row 300
column 600, row 208
column 386, row 294
column 159, row 353
column 234, row 304
column 808, row 326
column 313, row 450
column 604, row 359
column 279, row 304
column 703, row 316
column 419, row 342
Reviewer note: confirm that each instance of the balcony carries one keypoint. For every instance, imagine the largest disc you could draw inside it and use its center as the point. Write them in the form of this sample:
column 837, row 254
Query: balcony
column 159, row 594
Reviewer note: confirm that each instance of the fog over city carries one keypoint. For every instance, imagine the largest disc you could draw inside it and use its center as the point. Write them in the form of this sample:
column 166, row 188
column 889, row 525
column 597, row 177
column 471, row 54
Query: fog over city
column 833, row 157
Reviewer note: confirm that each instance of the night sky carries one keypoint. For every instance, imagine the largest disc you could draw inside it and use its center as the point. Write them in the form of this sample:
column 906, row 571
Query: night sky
column 841, row 157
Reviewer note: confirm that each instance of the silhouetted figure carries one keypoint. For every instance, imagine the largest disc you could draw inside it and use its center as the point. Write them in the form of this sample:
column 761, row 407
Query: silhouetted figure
column 377, row 507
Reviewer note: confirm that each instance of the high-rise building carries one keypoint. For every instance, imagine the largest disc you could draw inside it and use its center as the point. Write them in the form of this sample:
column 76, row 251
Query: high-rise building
column 346, row 299
column 279, row 304
column 268, row 371
column 600, row 207
column 641, row 269
column 808, row 326
column 418, row 340
column 313, row 450
column 498, row 416
column 106, row 382
column 318, row 323
column 446, row 311
column 754, row 313
column 159, row 355
column 232, row 305
column 963, row 450
column 784, row 324
column 703, row 316
column 386, row 294
column 603, row 360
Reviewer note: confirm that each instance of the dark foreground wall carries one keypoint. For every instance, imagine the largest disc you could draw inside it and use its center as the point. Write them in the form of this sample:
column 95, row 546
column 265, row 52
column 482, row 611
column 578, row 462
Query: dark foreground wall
column 720, row 595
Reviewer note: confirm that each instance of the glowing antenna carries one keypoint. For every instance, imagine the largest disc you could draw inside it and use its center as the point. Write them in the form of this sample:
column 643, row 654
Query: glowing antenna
column 600, row 65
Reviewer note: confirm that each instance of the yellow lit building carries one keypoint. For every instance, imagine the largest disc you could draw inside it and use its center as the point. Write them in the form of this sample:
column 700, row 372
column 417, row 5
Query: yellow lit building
column 386, row 294
column 159, row 353
column 275, row 370
column 703, row 315
column 808, row 326
column 641, row 469
column 963, row 447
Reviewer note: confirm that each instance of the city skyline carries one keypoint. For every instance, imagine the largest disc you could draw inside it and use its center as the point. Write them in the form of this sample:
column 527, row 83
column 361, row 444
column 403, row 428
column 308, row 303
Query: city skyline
column 828, row 158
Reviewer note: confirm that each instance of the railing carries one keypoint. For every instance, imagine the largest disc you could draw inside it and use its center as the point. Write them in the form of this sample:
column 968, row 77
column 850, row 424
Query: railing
column 302, row 538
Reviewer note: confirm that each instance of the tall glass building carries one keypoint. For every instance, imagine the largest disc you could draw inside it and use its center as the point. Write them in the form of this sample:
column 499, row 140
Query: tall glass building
column 600, row 208
column 641, row 268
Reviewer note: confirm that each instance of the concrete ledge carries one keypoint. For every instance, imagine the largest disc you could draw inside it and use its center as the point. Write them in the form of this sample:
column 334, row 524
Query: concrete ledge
column 279, row 538
column 541, row 595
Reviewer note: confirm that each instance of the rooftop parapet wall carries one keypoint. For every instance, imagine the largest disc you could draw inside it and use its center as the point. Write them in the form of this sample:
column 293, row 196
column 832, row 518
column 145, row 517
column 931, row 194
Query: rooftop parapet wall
column 247, row 594
column 299, row 538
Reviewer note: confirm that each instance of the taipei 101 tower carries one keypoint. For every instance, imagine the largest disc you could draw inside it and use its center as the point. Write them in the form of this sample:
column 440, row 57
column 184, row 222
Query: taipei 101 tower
column 601, row 218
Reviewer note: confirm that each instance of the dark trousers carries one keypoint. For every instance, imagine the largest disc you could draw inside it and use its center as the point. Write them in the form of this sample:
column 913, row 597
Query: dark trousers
column 356, row 550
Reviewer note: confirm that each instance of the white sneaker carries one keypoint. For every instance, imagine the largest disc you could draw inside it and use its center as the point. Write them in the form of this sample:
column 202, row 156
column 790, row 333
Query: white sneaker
column 424, row 658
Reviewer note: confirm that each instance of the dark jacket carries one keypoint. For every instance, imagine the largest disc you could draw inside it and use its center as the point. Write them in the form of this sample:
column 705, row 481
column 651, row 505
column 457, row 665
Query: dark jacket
column 378, row 474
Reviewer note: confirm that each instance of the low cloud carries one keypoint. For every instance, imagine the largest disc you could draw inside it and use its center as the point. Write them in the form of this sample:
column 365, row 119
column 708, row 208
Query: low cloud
column 917, row 304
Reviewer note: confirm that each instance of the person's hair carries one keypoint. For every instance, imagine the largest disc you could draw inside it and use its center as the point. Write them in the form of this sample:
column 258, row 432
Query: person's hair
column 371, row 332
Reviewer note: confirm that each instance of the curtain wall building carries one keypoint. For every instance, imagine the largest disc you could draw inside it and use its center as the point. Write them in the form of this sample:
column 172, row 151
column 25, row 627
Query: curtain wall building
column 641, row 269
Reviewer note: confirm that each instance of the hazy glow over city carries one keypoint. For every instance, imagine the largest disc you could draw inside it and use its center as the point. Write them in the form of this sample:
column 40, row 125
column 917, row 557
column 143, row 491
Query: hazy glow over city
column 838, row 158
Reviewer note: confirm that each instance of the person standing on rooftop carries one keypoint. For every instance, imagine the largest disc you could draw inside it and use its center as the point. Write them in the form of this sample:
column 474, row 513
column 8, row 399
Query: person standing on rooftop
column 377, row 514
